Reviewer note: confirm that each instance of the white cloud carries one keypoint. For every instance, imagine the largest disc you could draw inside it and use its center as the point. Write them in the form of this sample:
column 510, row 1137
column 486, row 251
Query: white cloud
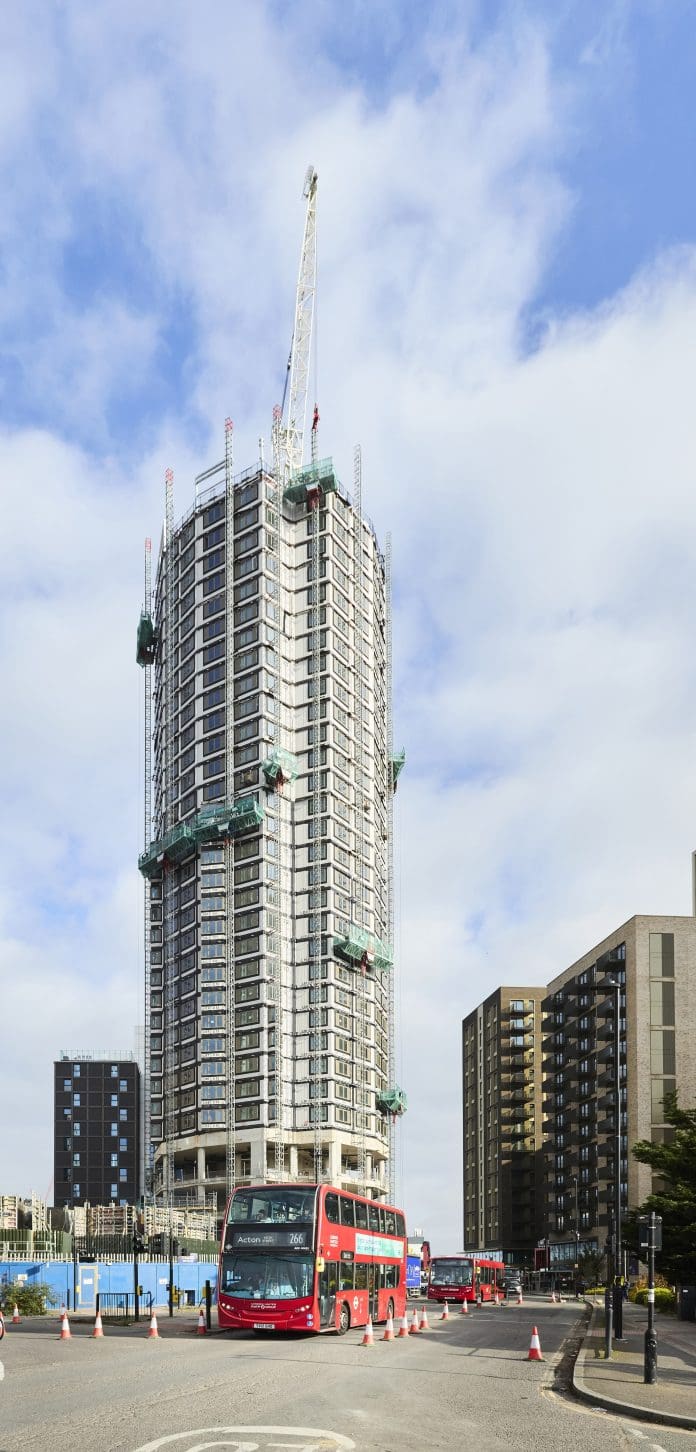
column 542, row 513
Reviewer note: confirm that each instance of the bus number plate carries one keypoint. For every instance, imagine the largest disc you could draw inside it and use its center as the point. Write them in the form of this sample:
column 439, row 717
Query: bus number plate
column 264, row 1326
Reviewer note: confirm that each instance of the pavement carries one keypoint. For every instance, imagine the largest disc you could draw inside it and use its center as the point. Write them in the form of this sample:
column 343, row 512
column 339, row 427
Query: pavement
column 618, row 1385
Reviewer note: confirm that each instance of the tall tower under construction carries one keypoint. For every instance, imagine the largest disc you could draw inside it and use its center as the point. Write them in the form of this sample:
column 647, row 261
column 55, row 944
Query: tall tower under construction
column 269, row 781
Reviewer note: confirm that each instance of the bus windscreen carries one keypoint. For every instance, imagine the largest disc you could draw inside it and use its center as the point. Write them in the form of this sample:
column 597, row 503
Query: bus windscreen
column 450, row 1272
column 266, row 1277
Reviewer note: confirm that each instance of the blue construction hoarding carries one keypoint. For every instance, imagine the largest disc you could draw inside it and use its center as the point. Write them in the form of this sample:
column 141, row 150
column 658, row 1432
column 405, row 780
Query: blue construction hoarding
column 76, row 1284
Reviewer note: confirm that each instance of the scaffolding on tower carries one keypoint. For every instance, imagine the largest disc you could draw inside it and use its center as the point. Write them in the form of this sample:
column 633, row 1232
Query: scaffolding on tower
column 145, row 655
column 398, row 1097
column 230, row 1066
column 361, row 859
column 169, row 887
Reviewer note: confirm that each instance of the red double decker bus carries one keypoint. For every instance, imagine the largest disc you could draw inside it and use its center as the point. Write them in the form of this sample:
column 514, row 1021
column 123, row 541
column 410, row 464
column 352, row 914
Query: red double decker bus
column 465, row 1278
column 309, row 1258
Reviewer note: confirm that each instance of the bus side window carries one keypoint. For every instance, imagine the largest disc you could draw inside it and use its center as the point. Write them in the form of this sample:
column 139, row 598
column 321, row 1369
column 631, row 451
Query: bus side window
column 345, row 1275
column 400, row 1224
column 360, row 1275
column 373, row 1216
column 347, row 1212
column 392, row 1277
column 331, row 1208
column 391, row 1222
column 361, row 1214
column 382, row 1220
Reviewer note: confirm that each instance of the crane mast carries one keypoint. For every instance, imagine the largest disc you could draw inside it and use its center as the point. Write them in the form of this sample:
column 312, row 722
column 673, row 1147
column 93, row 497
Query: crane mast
column 288, row 438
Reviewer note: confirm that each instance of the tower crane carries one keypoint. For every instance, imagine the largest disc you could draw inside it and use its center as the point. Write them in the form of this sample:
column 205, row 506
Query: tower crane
column 289, row 424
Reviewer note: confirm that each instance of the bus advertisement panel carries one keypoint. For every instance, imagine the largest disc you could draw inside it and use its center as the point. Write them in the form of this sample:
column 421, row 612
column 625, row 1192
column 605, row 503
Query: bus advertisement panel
column 465, row 1278
column 309, row 1258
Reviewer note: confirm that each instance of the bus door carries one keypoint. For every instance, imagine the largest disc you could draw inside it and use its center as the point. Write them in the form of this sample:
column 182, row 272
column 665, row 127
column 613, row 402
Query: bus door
column 372, row 1289
column 327, row 1286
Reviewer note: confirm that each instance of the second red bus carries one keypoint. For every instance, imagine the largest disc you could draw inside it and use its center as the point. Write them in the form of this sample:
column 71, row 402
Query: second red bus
column 465, row 1278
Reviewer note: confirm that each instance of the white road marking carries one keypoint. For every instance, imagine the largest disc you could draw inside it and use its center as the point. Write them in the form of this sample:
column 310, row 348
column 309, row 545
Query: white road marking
column 310, row 1439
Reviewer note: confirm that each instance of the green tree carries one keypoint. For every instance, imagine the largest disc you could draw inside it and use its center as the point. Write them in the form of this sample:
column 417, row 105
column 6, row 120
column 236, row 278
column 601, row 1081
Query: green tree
column 675, row 1196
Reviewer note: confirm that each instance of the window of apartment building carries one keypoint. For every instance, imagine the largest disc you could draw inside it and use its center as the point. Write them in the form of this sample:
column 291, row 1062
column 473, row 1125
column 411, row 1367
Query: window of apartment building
column 244, row 1112
column 661, row 952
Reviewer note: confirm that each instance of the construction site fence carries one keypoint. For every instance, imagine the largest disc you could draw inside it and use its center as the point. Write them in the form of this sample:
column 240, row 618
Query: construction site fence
column 76, row 1284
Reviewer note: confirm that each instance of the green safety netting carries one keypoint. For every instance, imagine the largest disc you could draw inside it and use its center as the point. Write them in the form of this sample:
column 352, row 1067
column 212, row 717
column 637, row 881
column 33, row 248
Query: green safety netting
column 320, row 475
column 175, row 845
column 211, row 824
column 227, row 821
column 392, row 1101
column 280, row 765
column 358, row 945
column 146, row 644
column 397, row 765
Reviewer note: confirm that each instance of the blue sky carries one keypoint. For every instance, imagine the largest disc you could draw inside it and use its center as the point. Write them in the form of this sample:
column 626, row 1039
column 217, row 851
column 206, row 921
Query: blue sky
column 507, row 304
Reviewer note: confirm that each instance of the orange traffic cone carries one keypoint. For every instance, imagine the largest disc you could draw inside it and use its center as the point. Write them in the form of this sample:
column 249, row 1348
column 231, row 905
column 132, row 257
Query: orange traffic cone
column 98, row 1331
column 519, row 1296
column 403, row 1328
column 64, row 1328
column 389, row 1330
column 465, row 1307
column 368, row 1338
column 153, row 1332
column 535, row 1347
column 424, row 1326
column 413, row 1328
column 15, row 1315
column 201, row 1323
column 445, row 1312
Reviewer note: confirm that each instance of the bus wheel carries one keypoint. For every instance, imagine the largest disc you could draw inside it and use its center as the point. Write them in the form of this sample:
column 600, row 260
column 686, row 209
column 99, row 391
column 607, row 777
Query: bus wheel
column 390, row 1310
column 343, row 1320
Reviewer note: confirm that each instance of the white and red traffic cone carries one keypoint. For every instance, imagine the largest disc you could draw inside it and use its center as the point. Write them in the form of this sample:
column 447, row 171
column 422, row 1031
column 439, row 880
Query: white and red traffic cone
column 15, row 1315
column 369, row 1337
column 465, row 1307
column 389, row 1330
column 519, row 1296
column 201, row 1323
column 64, row 1328
column 553, row 1298
column 98, row 1328
column 403, row 1328
column 535, row 1347
column 153, row 1332
column 424, row 1324
column 414, row 1328
column 445, row 1312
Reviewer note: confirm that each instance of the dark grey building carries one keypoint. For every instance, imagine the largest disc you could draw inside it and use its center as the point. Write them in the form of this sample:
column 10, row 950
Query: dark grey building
column 96, row 1137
